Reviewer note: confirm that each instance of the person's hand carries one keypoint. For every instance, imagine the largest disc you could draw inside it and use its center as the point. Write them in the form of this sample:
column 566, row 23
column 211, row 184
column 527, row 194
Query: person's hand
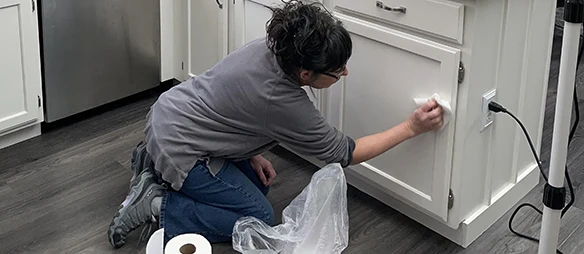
column 427, row 117
column 263, row 169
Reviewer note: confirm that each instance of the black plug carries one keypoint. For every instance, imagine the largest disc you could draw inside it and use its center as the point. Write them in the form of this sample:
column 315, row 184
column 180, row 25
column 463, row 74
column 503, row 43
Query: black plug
column 496, row 107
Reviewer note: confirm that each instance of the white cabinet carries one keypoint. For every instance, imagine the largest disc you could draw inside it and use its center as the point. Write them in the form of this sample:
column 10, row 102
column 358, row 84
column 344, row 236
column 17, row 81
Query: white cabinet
column 387, row 71
column 194, row 36
column 173, row 39
column 207, row 31
column 461, row 179
column 440, row 18
column 248, row 22
column 20, row 82
column 249, row 18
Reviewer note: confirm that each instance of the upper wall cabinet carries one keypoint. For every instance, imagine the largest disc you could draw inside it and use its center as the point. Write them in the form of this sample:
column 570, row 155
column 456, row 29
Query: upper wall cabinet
column 20, row 81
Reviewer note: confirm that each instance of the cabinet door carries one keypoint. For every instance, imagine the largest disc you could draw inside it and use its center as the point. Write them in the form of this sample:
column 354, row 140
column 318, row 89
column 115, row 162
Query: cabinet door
column 249, row 23
column 207, row 29
column 387, row 71
column 19, row 65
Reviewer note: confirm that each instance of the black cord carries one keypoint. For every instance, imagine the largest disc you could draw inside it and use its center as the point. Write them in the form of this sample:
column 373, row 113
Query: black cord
column 495, row 107
column 541, row 170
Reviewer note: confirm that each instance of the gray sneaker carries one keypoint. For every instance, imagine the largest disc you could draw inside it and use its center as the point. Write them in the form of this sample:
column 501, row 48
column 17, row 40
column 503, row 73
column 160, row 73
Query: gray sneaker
column 141, row 161
column 136, row 209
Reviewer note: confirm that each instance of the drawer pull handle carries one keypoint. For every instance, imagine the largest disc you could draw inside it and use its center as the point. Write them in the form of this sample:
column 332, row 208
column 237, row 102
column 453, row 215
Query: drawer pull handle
column 380, row 4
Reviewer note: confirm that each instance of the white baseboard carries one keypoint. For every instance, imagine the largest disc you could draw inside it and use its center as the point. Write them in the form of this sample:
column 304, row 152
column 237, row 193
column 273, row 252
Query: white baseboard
column 20, row 135
column 481, row 220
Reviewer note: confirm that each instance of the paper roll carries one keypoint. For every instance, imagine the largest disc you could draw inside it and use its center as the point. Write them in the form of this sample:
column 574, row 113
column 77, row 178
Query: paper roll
column 188, row 244
column 155, row 243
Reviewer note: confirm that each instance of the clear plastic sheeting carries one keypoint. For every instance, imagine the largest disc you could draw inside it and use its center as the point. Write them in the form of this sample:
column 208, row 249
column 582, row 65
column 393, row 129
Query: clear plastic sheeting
column 316, row 221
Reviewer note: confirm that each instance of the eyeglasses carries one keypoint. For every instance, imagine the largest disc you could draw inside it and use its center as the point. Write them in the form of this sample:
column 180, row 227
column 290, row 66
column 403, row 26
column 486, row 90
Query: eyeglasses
column 336, row 76
column 332, row 75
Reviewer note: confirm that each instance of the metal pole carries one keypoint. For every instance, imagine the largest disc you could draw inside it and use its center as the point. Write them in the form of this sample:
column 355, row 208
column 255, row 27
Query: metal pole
column 555, row 192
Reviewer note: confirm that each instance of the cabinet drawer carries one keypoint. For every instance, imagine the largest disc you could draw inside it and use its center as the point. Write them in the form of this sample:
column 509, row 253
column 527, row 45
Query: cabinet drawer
column 387, row 71
column 439, row 17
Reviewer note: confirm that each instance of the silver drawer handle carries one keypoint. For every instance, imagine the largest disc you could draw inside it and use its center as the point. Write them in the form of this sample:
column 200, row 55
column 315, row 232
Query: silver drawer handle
column 380, row 4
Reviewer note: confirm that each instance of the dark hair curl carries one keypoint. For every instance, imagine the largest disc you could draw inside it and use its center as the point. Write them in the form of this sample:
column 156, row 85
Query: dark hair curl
column 307, row 36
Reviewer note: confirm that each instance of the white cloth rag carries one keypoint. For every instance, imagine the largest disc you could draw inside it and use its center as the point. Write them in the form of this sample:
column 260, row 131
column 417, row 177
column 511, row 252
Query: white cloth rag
column 447, row 110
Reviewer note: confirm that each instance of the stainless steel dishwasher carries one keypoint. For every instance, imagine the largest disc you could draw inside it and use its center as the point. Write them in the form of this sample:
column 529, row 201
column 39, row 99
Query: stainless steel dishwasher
column 96, row 52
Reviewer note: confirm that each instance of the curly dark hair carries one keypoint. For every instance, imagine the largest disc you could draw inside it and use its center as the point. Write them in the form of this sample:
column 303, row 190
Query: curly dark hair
column 307, row 36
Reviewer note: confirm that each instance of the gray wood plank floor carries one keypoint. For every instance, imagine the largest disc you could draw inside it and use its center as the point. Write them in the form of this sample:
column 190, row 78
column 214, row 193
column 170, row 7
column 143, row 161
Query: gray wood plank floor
column 59, row 191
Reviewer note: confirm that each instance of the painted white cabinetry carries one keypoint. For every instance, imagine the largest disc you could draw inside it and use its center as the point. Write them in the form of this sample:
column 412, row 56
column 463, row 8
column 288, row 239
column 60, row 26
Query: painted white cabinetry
column 20, row 79
column 207, row 31
column 249, row 18
column 387, row 71
column 173, row 39
column 248, row 22
column 194, row 36
column 461, row 179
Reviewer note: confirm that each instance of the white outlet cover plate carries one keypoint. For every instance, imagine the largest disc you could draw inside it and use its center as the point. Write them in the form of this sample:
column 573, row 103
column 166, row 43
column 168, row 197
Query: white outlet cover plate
column 486, row 114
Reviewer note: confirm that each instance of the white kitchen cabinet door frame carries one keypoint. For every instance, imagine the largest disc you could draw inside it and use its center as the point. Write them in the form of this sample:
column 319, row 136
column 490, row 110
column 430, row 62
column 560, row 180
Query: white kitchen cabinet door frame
column 207, row 35
column 248, row 22
column 362, row 115
column 20, row 79
column 238, row 22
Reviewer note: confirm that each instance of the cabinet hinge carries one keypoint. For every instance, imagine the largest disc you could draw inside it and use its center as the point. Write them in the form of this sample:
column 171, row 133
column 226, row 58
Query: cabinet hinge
column 33, row 6
column 460, row 73
column 39, row 100
column 450, row 199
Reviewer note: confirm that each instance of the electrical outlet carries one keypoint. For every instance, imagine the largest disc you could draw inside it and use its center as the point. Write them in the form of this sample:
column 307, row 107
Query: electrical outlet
column 487, row 116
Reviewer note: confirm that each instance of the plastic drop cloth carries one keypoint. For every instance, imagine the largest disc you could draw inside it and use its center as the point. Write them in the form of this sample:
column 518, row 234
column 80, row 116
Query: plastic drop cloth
column 316, row 221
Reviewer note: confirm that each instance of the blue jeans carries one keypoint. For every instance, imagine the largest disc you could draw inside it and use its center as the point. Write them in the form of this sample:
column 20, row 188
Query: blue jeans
column 210, row 205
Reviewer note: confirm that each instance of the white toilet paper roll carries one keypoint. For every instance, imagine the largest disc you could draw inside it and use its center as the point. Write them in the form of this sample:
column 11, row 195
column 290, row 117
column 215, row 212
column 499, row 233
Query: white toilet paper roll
column 188, row 244
column 155, row 243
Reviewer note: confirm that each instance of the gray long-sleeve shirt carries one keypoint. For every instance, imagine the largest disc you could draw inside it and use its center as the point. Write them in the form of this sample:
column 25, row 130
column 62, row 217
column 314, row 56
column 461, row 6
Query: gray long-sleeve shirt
column 240, row 108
